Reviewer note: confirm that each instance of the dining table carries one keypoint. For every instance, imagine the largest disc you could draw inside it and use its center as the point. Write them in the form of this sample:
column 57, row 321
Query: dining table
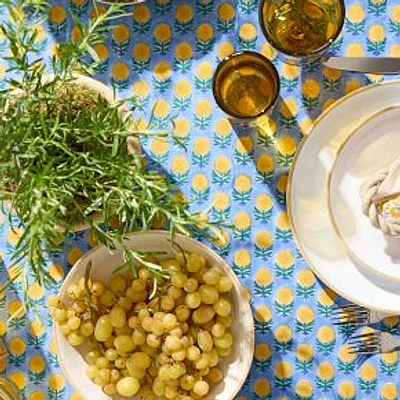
column 163, row 55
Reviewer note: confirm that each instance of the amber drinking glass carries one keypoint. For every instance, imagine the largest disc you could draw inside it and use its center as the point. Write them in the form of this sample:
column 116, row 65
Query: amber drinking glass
column 302, row 29
column 246, row 85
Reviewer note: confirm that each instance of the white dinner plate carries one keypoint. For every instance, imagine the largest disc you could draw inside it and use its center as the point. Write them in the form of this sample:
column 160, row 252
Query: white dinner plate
column 308, row 206
column 372, row 146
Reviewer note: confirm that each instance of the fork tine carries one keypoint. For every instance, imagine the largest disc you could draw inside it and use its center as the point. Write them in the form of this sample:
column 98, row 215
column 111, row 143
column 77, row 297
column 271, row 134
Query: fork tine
column 367, row 335
column 355, row 322
column 374, row 350
column 349, row 307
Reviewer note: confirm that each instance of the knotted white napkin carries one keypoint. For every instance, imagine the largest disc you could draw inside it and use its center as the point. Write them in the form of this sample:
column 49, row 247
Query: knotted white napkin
column 383, row 185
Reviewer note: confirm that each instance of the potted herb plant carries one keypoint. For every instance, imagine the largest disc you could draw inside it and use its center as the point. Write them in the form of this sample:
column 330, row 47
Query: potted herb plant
column 70, row 154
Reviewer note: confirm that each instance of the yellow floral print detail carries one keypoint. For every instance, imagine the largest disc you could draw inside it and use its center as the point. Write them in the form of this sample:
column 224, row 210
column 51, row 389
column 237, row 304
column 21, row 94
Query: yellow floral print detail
column 245, row 144
column 328, row 104
column 376, row 33
column 56, row 271
column 35, row 291
column 163, row 32
column 304, row 352
column 248, row 31
column 263, row 351
column 2, row 71
column 141, row 52
column 205, row 32
column 222, row 164
column 37, row 364
column 367, row 372
column 264, row 277
column 242, row 220
column 141, row 13
column 262, row 387
column 286, row 145
column 160, row 146
column 57, row 14
column 141, row 88
column 264, row 239
column 306, row 278
column 352, row 85
column 284, row 258
column 180, row 164
column 75, row 34
column 121, row 33
column 19, row 379
column 345, row 354
column 304, row 388
column 37, row 328
column 14, row 235
column 391, row 321
column 264, row 202
column 283, row 334
column 390, row 358
column 183, row 88
column 284, row 296
column 290, row 71
column 184, row 13
column 226, row 12
column 394, row 50
column 202, row 146
column 184, row 51
column 282, row 183
column 283, row 370
column 389, row 391
column 74, row 255
column 311, row 88
column 225, row 49
column 327, row 297
column 325, row 371
column 306, row 124
column 200, row 182
column 161, row 108
column 41, row 33
column 268, row 51
column 289, row 107
column 305, row 314
column 326, row 334
column 242, row 258
column 101, row 51
column 221, row 201
column 17, row 346
column 223, row 127
column 57, row 382
column 16, row 309
column 203, row 108
column 243, row 183
column 120, row 71
column 332, row 74
column 347, row 390
column 265, row 164
column 76, row 396
column 355, row 50
column 263, row 314
column 37, row 396
column 3, row 328
column 205, row 70
column 355, row 13
column 266, row 126
column 181, row 127
column 53, row 347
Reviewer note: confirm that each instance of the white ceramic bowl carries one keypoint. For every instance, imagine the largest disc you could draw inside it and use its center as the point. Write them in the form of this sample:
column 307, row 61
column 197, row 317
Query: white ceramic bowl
column 236, row 367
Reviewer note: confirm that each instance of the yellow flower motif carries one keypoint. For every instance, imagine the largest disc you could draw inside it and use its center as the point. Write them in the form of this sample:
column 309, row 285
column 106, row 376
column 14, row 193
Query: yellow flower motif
column 163, row 32
column 15, row 273
column 74, row 255
column 205, row 32
column 290, row 71
column 268, row 51
column 98, row 11
column 325, row 371
column 289, row 108
column 35, row 291
column 101, row 51
column 347, row 390
column 394, row 50
column 14, row 235
column 160, row 146
column 16, row 309
column 263, row 351
column 265, row 164
column 226, row 12
column 37, row 364
column 326, row 297
column 248, row 31
column 17, row 346
column 225, row 49
column 305, row 278
column 286, row 145
column 203, row 108
column 262, row 387
column 311, row 88
column 264, row 277
column 161, row 108
column 200, row 182
column 389, row 391
column 391, row 321
column 37, row 328
column 345, row 354
column 326, row 334
column 76, row 396
column 352, row 85
column 56, row 271
column 184, row 13
column 222, row 164
column 180, row 164
column 355, row 13
column 57, row 14
column 283, row 370
column 141, row 52
column 264, row 239
column 266, row 126
column 282, row 183
column 56, row 382
column 367, row 372
column 120, row 71
column 284, row 258
column 284, row 296
column 75, row 34
column 390, row 358
column 3, row 328
column 243, row 183
column 221, row 201
column 184, row 51
column 141, row 13
column 264, row 202
column 53, row 347
column 305, row 315
column 19, row 379
column 78, row 3
column 183, row 88
column 121, row 33
column 242, row 220
column 37, row 396
column 263, row 314
column 141, row 89
column 223, row 240
column 376, row 33
column 245, row 144
column 204, row 70
column 355, row 49
column 306, row 124
column 41, row 33
column 3, row 365
column 304, row 352
column 304, row 388
column 242, row 258
column 181, row 127
column 332, row 74
column 395, row 13
column 282, row 221
column 283, row 334
column 2, row 71
column 328, row 104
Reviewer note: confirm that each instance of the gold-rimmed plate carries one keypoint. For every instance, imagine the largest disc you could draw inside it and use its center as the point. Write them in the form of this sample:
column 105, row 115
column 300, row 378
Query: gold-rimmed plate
column 372, row 146
column 308, row 204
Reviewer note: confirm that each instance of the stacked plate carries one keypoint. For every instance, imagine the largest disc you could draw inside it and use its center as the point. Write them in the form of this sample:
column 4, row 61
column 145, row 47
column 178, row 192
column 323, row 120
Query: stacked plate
column 358, row 136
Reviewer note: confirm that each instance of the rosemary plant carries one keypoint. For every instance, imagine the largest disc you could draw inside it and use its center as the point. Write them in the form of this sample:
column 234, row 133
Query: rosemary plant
column 64, row 156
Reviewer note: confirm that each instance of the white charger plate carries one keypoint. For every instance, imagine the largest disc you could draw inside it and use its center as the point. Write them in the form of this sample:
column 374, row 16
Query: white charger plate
column 308, row 206
column 372, row 146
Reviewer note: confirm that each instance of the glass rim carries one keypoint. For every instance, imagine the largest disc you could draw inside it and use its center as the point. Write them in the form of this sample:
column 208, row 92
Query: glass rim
column 294, row 53
column 272, row 69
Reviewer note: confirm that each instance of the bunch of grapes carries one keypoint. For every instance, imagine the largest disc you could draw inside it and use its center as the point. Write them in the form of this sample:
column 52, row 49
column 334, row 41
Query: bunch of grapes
column 166, row 347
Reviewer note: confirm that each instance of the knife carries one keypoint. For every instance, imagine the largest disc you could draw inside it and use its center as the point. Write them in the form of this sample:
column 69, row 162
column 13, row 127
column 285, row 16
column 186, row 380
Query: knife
column 367, row 65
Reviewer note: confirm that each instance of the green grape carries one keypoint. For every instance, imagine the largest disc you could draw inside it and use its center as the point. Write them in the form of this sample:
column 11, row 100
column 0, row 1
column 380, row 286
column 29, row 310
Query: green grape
column 133, row 322
column 140, row 359
column 187, row 382
column 203, row 314
column 169, row 321
column 167, row 303
column 87, row 329
column 111, row 354
column 193, row 300
column 164, row 372
column 159, row 386
column 124, row 343
column 110, row 389
column 142, row 314
column 208, row 294
column 74, row 339
column 195, row 262
column 60, row 315
column 217, row 330
column 109, row 343
column 225, row 321
column 205, row 341
column 202, row 362
column 128, row 386
column 182, row 313
column 118, row 284
column 97, row 289
column 138, row 285
column 213, row 357
column 179, row 355
column 174, row 292
column 139, row 337
column 201, row 388
column 159, row 316
column 125, row 303
column 191, row 285
column 137, row 373
column 104, row 375
column 178, row 280
column 203, row 371
column 171, row 393
column 176, row 371
column 186, row 342
column 74, row 323
column 147, row 324
column 173, row 343
column 102, row 362
column 118, row 317
column 64, row 329
column 223, row 307
column 153, row 340
column 107, row 298
column 92, row 371
column 224, row 284
column 157, row 328
column 224, row 342
column 212, row 276
column 79, row 307
column 193, row 353
column 125, row 330
column 120, row 363
column 92, row 357
column 215, row 375
column 144, row 274
column 103, row 329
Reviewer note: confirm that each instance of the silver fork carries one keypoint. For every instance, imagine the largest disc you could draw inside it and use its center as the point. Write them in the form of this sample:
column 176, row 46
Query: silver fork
column 373, row 343
column 353, row 314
